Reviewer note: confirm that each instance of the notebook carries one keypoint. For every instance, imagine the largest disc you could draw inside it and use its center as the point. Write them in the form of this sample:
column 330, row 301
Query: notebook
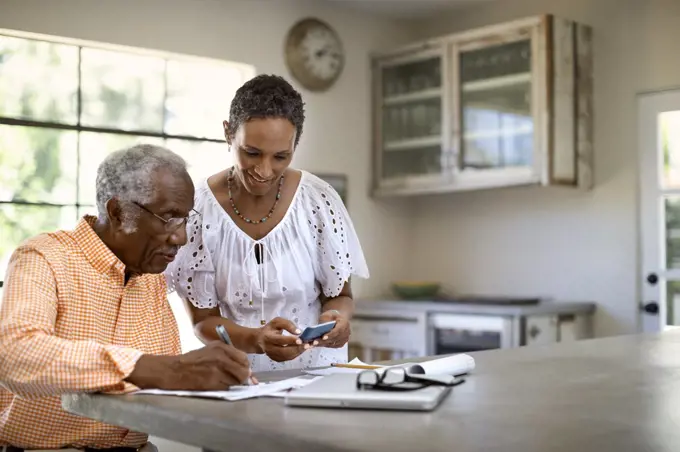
column 340, row 391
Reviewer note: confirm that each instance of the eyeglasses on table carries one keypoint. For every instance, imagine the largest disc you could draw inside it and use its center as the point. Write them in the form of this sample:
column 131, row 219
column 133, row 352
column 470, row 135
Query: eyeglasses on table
column 399, row 379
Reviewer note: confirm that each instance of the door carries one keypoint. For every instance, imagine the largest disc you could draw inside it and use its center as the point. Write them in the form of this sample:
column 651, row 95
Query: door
column 499, row 105
column 659, row 157
column 409, row 122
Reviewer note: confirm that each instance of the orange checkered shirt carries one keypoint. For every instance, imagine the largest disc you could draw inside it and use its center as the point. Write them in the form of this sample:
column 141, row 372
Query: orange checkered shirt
column 69, row 323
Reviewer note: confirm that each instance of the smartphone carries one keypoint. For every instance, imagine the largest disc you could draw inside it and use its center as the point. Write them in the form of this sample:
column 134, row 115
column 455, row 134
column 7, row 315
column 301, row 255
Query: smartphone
column 314, row 332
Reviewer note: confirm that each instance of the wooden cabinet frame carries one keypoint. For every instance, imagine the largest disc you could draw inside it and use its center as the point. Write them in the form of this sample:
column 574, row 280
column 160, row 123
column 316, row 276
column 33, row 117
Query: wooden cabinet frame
column 562, row 108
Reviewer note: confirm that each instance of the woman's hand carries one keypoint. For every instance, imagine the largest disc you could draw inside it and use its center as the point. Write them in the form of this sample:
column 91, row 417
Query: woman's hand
column 340, row 333
column 273, row 343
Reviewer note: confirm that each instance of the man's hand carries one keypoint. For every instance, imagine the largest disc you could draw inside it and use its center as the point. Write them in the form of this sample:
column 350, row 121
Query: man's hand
column 213, row 367
column 340, row 333
column 278, row 347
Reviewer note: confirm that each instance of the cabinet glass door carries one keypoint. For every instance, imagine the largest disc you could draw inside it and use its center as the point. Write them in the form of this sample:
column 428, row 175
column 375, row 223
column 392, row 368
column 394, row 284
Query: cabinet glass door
column 411, row 119
column 496, row 115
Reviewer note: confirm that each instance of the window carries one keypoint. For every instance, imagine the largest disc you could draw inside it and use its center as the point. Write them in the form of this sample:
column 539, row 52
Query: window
column 64, row 107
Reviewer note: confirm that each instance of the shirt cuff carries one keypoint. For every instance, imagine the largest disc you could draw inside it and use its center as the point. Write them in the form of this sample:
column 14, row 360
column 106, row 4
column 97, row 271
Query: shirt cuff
column 125, row 359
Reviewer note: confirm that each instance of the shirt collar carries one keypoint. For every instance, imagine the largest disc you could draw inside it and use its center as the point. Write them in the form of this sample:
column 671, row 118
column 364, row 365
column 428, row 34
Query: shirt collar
column 96, row 251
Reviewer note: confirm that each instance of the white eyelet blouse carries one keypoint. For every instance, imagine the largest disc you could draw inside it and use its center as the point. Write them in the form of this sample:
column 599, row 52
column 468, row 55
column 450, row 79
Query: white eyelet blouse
column 313, row 249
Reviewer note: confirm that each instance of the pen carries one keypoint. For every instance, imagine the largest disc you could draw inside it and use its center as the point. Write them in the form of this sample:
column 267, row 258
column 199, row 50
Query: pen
column 222, row 333
column 355, row 366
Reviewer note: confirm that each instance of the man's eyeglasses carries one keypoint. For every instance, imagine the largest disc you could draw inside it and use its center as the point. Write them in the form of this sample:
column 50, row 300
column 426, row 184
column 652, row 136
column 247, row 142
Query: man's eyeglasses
column 172, row 224
column 399, row 379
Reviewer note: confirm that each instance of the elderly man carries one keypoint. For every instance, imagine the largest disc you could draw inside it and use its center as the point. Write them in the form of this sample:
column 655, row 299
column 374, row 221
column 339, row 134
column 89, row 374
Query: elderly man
column 86, row 310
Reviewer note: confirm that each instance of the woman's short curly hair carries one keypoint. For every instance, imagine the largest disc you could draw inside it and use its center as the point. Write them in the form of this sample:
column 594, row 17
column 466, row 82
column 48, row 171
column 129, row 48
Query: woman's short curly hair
column 267, row 96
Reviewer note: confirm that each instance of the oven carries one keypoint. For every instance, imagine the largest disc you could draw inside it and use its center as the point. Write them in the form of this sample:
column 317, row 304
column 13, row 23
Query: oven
column 464, row 333
column 384, row 335
column 378, row 335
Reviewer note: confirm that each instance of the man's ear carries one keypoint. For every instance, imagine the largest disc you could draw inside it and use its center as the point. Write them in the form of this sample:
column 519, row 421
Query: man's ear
column 114, row 212
column 227, row 135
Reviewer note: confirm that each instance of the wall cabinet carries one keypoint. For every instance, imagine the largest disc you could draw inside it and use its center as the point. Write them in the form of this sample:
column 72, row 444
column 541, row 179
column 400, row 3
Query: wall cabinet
column 504, row 105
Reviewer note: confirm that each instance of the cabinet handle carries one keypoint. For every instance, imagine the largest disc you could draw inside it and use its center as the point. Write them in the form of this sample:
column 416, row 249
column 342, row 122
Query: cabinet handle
column 534, row 331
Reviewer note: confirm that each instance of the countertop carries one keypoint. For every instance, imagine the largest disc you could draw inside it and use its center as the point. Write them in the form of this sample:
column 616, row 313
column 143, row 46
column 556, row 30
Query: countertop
column 542, row 308
column 614, row 394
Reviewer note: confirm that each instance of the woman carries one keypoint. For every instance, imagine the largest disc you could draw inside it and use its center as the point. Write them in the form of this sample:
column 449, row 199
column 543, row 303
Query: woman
column 274, row 247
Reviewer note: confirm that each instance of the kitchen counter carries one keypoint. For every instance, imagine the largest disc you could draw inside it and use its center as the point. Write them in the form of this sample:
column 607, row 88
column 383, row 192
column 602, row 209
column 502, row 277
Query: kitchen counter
column 542, row 308
column 384, row 328
column 614, row 394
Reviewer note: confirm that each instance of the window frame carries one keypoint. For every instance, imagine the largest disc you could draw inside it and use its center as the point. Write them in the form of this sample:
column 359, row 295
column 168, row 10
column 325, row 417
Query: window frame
column 246, row 70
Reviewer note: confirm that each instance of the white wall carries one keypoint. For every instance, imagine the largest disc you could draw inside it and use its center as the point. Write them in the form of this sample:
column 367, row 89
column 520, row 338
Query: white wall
column 578, row 246
column 337, row 132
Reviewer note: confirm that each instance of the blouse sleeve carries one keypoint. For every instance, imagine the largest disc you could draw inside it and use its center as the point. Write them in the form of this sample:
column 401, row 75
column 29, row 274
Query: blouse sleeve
column 192, row 273
column 338, row 251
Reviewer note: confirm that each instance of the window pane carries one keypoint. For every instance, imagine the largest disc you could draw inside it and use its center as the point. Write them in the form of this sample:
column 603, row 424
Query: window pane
column 37, row 165
column 38, row 80
column 669, row 137
column 672, row 211
column 497, row 118
column 122, row 90
column 203, row 158
column 417, row 119
column 94, row 147
column 87, row 210
column 673, row 303
column 199, row 96
column 418, row 161
column 20, row 222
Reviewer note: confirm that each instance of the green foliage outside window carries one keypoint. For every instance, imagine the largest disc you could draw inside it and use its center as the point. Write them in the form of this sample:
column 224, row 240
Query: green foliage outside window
column 63, row 108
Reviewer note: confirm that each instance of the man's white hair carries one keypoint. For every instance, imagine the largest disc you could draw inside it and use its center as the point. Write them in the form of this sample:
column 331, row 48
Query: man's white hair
column 126, row 175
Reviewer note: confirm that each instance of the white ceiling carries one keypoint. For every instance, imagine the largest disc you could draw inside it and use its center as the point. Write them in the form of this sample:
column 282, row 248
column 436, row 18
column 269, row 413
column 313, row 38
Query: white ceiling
column 406, row 9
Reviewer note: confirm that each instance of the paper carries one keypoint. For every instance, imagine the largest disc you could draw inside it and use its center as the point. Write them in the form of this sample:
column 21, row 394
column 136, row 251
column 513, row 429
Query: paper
column 238, row 392
column 450, row 365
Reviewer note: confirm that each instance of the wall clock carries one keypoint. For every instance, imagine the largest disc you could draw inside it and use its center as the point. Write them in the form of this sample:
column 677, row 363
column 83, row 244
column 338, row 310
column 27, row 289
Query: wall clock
column 314, row 54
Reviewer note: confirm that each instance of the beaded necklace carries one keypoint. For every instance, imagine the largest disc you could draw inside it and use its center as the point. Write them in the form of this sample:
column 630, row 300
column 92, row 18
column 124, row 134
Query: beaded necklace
column 237, row 212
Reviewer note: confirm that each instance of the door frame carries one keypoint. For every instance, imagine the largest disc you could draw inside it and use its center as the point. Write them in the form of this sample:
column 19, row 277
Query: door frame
column 651, row 231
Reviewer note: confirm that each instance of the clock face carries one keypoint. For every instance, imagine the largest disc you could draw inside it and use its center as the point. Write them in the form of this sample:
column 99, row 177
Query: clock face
column 321, row 52
column 314, row 54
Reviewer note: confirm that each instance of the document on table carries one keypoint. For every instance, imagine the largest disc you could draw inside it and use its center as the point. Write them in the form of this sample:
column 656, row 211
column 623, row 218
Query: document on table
column 449, row 365
column 238, row 392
